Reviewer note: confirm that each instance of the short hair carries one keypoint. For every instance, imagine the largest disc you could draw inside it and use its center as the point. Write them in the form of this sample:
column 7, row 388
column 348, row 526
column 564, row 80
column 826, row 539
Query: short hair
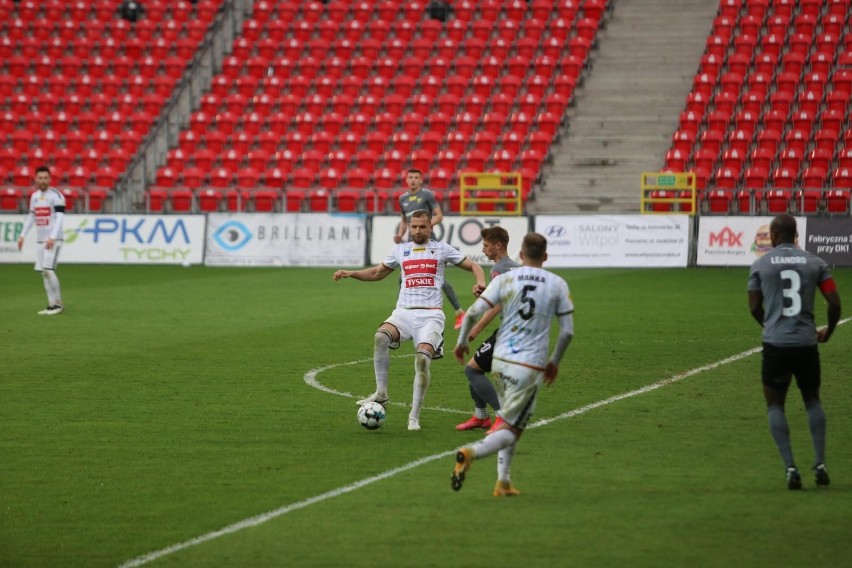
column 413, row 171
column 42, row 169
column 534, row 246
column 495, row 234
column 421, row 213
column 783, row 226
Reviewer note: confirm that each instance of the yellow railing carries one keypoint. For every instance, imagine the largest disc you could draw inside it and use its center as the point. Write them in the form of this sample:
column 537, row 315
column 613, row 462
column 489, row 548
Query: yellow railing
column 667, row 192
column 490, row 194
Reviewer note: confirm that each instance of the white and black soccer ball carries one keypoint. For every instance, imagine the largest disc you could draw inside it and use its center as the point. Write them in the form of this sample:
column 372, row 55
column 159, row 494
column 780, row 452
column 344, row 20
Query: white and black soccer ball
column 372, row 415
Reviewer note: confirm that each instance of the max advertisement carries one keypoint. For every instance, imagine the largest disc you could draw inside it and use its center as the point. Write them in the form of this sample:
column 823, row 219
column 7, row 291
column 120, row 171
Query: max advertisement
column 737, row 241
column 113, row 239
column 460, row 232
column 629, row 241
column 276, row 239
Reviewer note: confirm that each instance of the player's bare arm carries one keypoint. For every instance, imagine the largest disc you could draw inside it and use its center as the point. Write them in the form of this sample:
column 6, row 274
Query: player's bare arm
column 479, row 307
column 371, row 274
column 403, row 226
column 471, row 266
column 755, row 305
column 832, row 298
column 437, row 216
column 486, row 319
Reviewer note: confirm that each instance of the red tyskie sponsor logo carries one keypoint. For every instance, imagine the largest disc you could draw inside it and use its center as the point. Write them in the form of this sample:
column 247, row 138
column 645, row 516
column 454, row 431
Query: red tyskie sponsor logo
column 422, row 266
column 420, row 282
column 42, row 215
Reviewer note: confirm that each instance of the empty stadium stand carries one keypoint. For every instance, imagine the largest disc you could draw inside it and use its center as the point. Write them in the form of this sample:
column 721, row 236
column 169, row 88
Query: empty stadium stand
column 767, row 121
column 80, row 88
column 357, row 92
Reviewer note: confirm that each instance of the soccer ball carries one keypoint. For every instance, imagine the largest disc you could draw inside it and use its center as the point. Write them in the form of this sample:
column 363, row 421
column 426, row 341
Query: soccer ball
column 372, row 415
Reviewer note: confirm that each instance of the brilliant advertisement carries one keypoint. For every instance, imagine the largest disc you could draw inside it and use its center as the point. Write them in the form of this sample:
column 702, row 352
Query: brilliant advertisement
column 628, row 241
column 113, row 239
column 464, row 233
column 736, row 241
column 291, row 239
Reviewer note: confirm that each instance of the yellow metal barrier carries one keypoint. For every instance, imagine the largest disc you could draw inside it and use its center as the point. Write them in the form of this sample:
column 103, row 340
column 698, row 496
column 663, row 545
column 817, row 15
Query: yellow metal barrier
column 490, row 194
column 666, row 192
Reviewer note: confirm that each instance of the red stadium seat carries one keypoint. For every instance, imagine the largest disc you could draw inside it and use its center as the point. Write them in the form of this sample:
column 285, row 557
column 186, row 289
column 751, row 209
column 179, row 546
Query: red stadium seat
column 11, row 199
column 718, row 201
column 777, row 200
column 264, row 200
column 181, row 200
column 347, row 200
column 209, row 200
column 155, row 199
column 837, row 201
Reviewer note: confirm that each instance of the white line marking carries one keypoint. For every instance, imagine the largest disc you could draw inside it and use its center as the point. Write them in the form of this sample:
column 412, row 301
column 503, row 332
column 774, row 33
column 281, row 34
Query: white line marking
column 260, row 519
column 311, row 380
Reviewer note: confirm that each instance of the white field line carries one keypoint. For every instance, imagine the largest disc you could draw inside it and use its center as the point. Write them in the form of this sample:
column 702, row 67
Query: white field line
column 311, row 380
column 260, row 519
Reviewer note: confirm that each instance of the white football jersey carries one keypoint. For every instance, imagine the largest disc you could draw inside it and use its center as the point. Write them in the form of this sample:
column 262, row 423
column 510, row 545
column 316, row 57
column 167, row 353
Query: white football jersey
column 44, row 205
column 530, row 298
column 422, row 272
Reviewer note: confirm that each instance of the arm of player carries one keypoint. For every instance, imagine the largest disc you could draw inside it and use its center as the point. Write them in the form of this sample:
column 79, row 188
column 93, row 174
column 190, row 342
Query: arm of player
column 403, row 227
column 483, row 322
column 471, row 266
column 371, row 274
column 755, row 305
column 829, row 291
column 563, row 340
column 58, row 221
column 28, row 224
column 477, row 309
column 437, row 216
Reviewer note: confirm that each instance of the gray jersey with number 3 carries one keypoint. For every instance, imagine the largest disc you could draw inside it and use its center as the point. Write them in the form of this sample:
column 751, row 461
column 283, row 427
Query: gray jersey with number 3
column 788, row 277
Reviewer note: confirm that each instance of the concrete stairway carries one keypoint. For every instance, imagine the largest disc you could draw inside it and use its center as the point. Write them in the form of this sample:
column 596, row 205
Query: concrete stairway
column 628, row 107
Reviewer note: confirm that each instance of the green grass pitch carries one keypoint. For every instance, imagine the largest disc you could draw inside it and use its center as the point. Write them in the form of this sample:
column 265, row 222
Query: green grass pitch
column 168, row 403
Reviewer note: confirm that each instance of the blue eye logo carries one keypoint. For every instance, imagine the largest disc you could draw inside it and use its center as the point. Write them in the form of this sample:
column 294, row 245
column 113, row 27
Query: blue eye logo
column 232, row 236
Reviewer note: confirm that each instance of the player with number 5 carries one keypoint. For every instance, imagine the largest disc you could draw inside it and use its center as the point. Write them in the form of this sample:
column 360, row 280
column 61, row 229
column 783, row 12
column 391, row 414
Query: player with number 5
column 530, row 298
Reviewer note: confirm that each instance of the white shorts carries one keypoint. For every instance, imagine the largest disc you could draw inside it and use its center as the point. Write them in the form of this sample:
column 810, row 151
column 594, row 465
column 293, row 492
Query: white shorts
column 517, row 388
column 419, row 326
column 47, row 259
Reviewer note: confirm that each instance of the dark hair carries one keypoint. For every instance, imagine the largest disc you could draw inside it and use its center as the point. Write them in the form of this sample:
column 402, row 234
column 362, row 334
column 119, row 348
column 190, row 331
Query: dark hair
column 783, row 226
column 421, row 213
column 413, row 171
column 534, row 246
column 42, row 169
column 495, row 234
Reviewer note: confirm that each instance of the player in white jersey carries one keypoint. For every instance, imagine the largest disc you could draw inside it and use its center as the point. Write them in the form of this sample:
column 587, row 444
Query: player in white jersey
column 419, row 315
column 416, row 198
column 531, row 298
column 47, row 213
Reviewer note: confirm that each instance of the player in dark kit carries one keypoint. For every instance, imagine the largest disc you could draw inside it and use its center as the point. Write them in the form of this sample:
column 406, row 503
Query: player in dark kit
column 782, row 286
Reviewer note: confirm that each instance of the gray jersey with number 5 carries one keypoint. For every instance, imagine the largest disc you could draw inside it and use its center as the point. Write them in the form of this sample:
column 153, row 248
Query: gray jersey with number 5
column 788, row 278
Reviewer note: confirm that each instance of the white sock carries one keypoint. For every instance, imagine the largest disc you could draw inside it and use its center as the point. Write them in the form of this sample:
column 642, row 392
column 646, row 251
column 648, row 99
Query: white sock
column 481, row 413
column 494, row 442
column 504, row 463
column 422, row 377
column 381, row 361
column 51, row 286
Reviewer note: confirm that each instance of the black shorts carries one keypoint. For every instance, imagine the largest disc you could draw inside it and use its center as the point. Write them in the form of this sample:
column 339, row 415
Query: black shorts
column 781, row 364
column 483, row 355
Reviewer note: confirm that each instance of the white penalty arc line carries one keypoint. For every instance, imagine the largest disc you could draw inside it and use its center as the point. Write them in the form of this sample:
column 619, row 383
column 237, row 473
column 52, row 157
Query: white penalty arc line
column 281, row 511
column 311, row 380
